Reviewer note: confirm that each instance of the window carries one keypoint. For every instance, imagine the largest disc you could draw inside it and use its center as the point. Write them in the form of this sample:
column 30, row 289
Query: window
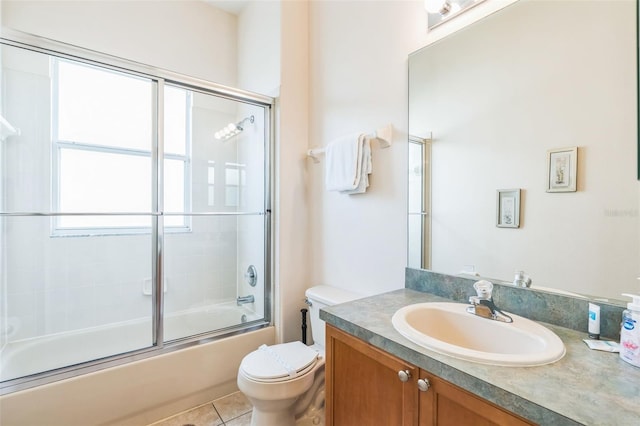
column 235, row 181
column 103, row 139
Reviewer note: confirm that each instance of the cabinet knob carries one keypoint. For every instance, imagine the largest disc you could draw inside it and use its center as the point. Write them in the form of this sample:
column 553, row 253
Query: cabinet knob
column 404, row 375
column 423, row 384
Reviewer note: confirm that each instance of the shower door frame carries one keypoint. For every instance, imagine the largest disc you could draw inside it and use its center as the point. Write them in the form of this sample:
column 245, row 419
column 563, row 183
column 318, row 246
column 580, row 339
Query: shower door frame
column 160, row 77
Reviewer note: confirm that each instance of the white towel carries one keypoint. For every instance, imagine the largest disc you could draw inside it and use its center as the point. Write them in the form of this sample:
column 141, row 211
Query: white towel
column 365, row 166
column 343, row 162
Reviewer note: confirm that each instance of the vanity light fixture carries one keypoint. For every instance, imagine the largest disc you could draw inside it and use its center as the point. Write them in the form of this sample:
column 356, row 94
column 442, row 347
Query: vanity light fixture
column 233, row 129
column 438, row 6
column 438, row 11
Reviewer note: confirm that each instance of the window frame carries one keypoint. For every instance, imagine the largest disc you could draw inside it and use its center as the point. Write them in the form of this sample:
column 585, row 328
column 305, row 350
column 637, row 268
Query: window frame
column 58, row 144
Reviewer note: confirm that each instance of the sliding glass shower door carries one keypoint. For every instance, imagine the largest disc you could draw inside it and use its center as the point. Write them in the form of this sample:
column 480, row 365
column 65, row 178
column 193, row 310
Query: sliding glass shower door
column 132, row 205
column 205, row 267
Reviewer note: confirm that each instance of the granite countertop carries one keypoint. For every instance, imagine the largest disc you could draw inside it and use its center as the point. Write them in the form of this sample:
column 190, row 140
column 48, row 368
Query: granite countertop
column 585, row 387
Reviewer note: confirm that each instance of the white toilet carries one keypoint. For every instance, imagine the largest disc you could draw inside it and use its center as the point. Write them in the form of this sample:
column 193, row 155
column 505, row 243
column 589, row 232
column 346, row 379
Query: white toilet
column 285, row 382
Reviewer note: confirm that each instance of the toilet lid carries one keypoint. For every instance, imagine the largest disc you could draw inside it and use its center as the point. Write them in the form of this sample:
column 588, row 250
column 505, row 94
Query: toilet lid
column 279, row 362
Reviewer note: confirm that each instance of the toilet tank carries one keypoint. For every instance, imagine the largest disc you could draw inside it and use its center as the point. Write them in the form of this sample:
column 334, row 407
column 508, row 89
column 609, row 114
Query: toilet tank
column 319, row 297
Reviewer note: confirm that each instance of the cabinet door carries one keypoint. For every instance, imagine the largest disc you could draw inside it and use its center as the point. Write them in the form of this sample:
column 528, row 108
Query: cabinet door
column 363, row 386
column 445, row 404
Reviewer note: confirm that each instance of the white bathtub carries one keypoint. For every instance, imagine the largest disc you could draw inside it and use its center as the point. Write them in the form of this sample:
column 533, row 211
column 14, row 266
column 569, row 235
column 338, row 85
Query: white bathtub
column 135, row 393
column 24, row 357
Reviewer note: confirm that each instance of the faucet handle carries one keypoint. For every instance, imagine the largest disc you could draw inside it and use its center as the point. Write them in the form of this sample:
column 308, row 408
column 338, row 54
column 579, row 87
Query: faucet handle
column 484, row 289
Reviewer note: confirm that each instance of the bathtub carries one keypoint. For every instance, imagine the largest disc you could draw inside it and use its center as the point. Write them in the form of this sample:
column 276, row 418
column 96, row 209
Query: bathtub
column 24, row 357
column 135, row 393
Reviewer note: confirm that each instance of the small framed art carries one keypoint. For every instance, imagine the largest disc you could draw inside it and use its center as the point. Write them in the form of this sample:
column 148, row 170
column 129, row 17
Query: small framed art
column 508, row 208
column 562, row 169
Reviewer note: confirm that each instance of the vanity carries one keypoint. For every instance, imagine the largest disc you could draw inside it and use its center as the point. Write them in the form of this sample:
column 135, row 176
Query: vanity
column 377, row 376
column 396, row 392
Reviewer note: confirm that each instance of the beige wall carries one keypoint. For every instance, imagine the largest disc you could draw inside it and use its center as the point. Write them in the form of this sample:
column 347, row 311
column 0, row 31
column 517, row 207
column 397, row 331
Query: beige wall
column 259, row 49
column 358, row 81
column 114, row 27
column 292, row 230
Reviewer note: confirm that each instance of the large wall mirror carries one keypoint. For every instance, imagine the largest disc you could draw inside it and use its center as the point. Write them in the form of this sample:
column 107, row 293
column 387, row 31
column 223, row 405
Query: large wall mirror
column 498, row 96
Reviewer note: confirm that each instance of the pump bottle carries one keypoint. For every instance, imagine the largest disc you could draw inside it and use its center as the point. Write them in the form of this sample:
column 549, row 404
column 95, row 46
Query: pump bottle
column 630, row 332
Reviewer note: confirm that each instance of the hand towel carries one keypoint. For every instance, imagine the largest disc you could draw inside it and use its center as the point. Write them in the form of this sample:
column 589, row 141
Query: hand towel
column 365, row 166
column 343, row 163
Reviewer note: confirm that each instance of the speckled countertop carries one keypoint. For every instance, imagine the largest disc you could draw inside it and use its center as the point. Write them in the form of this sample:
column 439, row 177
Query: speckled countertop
column 585, row 387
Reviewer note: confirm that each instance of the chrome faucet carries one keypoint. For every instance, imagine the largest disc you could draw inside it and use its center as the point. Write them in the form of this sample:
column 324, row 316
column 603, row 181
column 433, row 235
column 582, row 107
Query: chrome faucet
column 241, row 300
column 482, row 305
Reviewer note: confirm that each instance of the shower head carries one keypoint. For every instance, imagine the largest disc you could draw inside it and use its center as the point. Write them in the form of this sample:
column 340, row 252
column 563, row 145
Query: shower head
column 233, row 129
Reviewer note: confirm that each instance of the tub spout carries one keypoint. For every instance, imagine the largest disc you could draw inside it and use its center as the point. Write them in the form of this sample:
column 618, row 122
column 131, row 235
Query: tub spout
column 241, row 300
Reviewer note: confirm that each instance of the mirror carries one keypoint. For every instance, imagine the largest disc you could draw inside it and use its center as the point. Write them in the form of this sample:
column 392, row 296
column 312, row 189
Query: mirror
column 497, row 96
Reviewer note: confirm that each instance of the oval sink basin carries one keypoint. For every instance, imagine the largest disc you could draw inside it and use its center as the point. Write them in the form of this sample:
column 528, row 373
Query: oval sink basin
column 449, row 329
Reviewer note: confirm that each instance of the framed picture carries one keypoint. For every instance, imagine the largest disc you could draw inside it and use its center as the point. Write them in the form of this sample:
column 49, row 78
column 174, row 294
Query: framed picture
column 508, row 208
column 562, row 169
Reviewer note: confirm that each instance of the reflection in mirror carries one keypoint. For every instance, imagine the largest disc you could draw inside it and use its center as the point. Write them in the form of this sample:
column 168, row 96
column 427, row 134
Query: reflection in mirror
column 497, row 95
column 419, row 200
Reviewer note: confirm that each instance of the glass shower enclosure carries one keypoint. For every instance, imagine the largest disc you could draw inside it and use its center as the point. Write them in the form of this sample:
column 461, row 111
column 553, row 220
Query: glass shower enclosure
column 134, row 211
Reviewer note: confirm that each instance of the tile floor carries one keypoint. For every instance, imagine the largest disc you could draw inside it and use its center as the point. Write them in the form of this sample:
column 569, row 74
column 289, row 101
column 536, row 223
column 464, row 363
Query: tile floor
column 230, row 410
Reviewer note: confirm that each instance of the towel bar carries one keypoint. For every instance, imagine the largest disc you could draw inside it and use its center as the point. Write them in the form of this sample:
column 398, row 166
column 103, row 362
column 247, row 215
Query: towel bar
column 384, row 136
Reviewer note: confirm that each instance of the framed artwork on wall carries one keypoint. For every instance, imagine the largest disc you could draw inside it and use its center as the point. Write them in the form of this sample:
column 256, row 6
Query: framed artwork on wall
column 508, row 208
column 562, row 169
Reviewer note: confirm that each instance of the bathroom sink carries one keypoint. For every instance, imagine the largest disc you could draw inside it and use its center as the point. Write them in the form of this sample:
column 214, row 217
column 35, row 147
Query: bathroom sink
column 447, row 328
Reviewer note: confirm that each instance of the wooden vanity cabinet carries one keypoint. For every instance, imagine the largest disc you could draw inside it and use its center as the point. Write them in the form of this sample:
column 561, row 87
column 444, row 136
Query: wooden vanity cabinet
column 445, row 404
column 364, row 386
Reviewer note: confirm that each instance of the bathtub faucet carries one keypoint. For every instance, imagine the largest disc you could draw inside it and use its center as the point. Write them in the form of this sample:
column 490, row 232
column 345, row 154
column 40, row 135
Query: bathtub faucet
column 241, row 300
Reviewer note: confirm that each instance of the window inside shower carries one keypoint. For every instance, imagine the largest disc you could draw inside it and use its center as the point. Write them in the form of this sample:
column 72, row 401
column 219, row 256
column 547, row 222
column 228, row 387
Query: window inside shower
column 126, row 227
column 87, row 147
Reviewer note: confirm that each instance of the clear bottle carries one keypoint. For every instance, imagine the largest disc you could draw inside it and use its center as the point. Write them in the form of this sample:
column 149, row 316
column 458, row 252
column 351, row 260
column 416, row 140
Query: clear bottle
column 630, row 332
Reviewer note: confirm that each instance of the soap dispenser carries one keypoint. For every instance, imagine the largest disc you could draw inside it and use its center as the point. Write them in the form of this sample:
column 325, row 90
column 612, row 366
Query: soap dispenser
column 630, row 332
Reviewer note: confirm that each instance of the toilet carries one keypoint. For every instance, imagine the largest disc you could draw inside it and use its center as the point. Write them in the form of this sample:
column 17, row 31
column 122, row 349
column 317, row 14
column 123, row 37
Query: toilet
column 285, row 382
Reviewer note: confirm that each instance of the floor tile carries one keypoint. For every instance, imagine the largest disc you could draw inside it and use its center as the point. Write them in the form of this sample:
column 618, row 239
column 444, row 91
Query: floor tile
column 232, row 406
column 244, row 420
column 204, row 415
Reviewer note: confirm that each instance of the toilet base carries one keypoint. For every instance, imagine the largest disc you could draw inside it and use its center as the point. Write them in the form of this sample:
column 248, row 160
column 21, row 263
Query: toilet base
column 312, row 416
column 309, row 408
column 304, row 410
column 280, row 418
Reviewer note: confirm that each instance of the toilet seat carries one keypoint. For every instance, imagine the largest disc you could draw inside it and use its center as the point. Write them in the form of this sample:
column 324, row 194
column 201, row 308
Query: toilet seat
column 279, row 363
